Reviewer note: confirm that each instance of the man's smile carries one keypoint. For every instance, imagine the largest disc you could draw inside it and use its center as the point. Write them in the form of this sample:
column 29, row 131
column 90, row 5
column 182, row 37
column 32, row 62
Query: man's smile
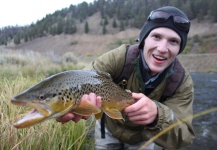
column 158, row 57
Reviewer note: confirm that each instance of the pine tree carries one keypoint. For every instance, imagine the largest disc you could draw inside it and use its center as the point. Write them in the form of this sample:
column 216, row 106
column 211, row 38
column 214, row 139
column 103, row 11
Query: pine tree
column 122, row 27
column 106, row 21
column 114, row 24
column 86, row 27
column 17, row 39
column 104, row 30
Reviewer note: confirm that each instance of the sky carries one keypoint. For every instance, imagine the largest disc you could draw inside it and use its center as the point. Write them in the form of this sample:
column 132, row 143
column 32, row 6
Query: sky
column 25, row 12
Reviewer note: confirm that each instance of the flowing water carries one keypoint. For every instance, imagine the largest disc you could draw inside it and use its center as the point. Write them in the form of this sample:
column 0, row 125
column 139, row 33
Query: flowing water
column 205, row 127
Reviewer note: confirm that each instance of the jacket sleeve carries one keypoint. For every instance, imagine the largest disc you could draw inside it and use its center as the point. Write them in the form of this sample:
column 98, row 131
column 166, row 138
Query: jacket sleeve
column 171, row 112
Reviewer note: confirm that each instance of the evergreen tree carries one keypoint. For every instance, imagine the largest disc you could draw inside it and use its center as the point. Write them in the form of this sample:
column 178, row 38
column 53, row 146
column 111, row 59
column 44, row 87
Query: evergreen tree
column 114, row 24
column 17, row 39
column 26, row 38
column 214, row 10
column 3, row 41
column 86, row 27
column 53, row 30
column 101, row 23
column 199, row 16
column 122, row 27
column 106, row 21
column 70, row 26
column 127, row 12
column 104, row 30
column 59, row 27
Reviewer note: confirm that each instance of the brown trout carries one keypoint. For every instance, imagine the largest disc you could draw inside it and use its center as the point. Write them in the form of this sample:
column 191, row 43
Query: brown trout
column 62, row 92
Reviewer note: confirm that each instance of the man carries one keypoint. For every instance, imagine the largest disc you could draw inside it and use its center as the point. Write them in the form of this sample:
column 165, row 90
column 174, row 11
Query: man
column 162, row 38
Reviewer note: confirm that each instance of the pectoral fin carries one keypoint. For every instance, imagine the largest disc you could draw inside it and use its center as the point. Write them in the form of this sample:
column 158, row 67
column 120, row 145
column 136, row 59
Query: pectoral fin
column 113, row 113
column 86, row 108
column 99, row 115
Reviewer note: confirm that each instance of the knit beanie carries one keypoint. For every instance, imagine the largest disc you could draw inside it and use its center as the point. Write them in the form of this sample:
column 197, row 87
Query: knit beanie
column 169, row 23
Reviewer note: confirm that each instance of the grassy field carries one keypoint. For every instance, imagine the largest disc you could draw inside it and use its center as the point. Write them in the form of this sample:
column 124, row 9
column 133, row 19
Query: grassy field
column 19, row 71
column 22, row 69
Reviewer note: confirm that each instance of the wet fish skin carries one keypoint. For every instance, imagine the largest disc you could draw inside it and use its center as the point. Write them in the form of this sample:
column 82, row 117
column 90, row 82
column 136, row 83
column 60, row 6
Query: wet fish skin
column 62, row 92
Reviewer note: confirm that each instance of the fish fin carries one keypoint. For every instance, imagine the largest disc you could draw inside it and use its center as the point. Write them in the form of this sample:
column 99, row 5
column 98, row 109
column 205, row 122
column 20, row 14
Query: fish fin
column 113, row 113
column 99, row 115
column 128, row 91
column 66, row 110
column 86, row 108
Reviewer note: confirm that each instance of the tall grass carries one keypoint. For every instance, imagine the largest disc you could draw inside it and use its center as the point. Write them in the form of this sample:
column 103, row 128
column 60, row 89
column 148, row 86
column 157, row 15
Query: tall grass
column 19, row 71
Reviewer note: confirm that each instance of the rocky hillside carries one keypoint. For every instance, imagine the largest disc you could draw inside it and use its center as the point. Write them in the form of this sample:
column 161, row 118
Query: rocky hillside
column 202, row 42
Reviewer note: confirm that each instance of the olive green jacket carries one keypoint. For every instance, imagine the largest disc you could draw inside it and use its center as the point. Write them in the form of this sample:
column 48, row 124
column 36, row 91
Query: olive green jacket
column 175, row 108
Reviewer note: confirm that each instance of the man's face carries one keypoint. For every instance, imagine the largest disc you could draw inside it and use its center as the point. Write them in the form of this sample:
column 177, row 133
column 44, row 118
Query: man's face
column 160, row 49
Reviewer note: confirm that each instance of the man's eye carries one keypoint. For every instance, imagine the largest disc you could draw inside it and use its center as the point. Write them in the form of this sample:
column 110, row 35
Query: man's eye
column 156, row 36
column 174, row 41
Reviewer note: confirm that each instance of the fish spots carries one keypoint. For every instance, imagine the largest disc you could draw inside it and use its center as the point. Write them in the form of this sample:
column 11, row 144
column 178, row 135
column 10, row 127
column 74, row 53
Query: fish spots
column 66, row 96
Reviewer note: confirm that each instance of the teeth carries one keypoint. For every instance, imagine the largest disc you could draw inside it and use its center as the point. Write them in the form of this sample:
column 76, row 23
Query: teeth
column 159, row 57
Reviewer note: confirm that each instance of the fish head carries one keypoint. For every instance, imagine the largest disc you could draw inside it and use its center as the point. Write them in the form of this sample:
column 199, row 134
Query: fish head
column 48, row 100
column 36, row 99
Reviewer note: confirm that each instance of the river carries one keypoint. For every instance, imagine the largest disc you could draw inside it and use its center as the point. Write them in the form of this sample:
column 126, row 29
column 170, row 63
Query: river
column 205, row 126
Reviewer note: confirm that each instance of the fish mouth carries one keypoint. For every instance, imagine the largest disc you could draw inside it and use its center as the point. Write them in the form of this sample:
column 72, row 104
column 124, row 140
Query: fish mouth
column 39, row 113
column 30, row 119
column 18, row 103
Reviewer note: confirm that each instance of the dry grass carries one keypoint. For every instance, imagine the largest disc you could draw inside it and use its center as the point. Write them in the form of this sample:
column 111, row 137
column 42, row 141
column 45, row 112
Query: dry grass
column 31, row 62
column 18, row 72
column 200, row 62
column 83, row 44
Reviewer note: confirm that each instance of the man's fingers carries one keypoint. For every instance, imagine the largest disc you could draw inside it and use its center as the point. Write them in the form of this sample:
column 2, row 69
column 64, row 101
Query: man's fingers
column 65, row 118
column 76, row 118
column 85, row 117
column 85, row 97
column 137, row 96
column 95, row 100
column 98, row 101
column 92, row 98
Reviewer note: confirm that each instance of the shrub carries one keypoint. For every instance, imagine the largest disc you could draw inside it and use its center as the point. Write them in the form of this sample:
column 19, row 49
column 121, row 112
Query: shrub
column 69, row 57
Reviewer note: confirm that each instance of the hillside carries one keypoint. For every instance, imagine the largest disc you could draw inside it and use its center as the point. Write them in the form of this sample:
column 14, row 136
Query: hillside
column 113, row 16
column 202, row 39
column 94, row 43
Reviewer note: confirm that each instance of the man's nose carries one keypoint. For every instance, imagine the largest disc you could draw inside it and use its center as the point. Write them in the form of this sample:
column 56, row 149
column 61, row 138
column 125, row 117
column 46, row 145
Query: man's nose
column 162, row 46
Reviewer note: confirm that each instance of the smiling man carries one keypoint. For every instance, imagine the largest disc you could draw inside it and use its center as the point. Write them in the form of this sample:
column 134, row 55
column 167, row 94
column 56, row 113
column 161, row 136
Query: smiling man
column 161, row 86
column 162, row 46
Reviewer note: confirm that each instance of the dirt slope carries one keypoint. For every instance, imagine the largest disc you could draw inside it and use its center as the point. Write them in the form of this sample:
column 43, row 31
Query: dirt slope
column 200, row 62
column 89, row 46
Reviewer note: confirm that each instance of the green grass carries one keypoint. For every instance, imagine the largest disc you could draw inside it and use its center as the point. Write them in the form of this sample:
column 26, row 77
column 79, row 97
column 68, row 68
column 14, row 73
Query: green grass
column 18, row 72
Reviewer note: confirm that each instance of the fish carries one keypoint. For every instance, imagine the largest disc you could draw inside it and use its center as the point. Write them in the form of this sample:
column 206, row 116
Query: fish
column 62, row 92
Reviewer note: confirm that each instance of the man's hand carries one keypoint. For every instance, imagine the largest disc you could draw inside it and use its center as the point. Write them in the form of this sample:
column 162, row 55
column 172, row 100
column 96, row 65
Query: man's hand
column 144, row 111
column 96, row 100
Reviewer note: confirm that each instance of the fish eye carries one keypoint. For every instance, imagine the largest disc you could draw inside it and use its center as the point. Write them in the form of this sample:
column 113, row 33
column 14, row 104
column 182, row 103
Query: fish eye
column 41, row 97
